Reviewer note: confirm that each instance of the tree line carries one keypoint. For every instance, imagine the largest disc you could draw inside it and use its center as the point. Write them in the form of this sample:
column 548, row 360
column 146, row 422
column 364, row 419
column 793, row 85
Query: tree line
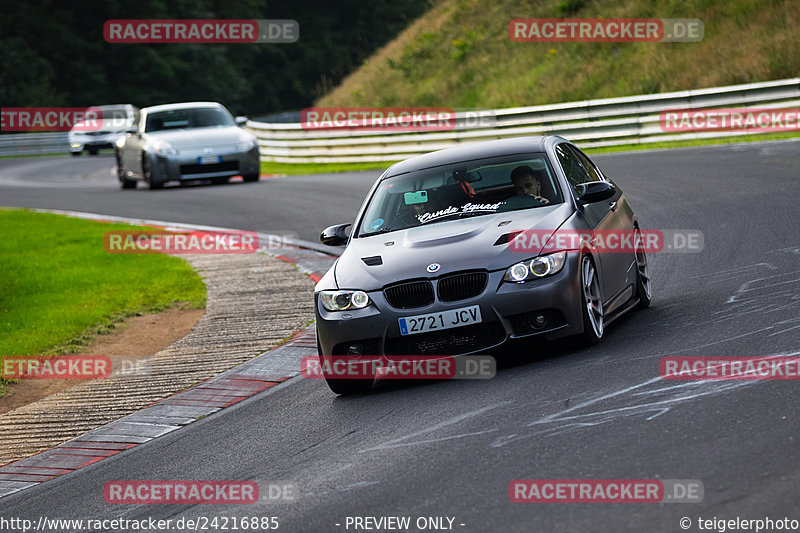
column 54, row 53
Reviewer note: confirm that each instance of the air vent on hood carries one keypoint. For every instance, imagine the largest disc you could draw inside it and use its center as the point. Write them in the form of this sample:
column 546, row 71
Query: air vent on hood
column 374, row 260
column 506, row 238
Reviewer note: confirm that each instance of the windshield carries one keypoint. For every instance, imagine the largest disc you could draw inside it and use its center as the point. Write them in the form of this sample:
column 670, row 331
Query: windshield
column 461, row 190
column 200, row 117
column 112, row 111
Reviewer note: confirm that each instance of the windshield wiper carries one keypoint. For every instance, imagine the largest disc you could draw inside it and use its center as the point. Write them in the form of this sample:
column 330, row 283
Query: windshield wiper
column 382, row 230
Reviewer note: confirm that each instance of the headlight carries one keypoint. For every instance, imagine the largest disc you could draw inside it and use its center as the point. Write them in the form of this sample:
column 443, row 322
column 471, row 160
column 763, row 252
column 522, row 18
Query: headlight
column 247, row 143
column 539, row 267
column 164, row 148
column 344, row 300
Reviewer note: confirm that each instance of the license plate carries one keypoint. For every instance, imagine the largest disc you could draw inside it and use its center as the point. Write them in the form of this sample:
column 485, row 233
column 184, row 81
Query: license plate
column 209, row 159
column 454, row 318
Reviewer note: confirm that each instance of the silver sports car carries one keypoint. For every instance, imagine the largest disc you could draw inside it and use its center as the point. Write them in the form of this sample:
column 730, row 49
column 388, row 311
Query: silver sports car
column 457, row 251
column 188, row 141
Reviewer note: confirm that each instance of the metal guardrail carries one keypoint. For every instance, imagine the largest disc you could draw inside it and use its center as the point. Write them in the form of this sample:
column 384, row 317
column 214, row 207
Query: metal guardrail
column 34, row 143
column 593, row 123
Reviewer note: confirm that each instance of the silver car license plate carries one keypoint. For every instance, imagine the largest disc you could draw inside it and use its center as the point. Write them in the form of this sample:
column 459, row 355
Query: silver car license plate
column 454, row 318
column 209, row 159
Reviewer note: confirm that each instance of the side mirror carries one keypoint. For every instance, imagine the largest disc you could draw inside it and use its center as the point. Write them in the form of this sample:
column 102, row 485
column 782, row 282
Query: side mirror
column 241, row 121
column 595, row 191
column 334, row 235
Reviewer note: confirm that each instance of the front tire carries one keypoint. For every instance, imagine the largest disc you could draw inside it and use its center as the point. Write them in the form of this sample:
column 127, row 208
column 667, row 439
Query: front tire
column 644, row 286
column 76, row 154
column 124, row 181
column 591, row 302
column 147, row 172
column 251, row 177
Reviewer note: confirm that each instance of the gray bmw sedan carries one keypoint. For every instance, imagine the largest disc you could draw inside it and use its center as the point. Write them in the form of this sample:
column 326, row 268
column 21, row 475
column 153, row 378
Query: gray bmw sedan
column 458, row 251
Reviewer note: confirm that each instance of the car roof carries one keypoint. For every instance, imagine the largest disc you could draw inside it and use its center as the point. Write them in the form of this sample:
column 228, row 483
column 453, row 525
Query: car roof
column 181, row 105
column 472, row 151
column 114, row 105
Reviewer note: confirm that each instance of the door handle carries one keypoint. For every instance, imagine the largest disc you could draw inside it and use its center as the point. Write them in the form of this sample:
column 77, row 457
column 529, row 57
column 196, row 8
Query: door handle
column 612, row 206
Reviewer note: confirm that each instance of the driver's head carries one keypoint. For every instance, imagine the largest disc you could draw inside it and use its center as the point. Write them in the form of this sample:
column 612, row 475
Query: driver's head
column 526, row 181
column 417, row 209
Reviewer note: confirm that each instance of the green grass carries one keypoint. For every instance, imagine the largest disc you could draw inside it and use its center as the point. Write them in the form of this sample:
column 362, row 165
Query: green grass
column 59, row 287
column 695, row 142
column 290, row 169
column 459, row 54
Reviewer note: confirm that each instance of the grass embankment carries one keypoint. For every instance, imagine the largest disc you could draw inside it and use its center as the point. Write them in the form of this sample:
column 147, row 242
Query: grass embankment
column 59, row 287
column 459, row 54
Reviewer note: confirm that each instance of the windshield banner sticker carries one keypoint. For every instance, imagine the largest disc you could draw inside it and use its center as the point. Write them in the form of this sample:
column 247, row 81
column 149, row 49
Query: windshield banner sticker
column 451, row 210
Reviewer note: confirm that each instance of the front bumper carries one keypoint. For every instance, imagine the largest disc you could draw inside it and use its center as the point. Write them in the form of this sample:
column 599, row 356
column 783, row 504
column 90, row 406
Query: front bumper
column 186, row 165
column 84, row 140
column 508, row 310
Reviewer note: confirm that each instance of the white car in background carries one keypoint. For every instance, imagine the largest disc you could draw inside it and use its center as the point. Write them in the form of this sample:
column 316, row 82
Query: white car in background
column 93, row 135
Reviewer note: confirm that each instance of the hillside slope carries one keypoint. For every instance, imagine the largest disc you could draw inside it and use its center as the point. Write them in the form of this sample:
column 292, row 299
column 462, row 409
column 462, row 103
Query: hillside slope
column 459, row 54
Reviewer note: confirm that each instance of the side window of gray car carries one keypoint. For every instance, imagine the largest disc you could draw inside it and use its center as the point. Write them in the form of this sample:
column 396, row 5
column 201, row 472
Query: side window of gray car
column 594, row 174
column 573, row 167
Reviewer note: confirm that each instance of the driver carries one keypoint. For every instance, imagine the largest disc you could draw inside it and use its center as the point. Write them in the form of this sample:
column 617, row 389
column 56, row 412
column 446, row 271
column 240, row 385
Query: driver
column 409, row 214
column 528, row 182
column 527, row 188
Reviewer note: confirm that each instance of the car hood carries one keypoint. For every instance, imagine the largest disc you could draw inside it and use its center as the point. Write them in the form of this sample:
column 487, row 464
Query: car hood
column 200, row 137
column 455, row 245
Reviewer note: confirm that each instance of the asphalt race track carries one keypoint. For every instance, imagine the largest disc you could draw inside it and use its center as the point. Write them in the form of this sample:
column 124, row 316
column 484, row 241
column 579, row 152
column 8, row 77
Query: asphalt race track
column 450, row 449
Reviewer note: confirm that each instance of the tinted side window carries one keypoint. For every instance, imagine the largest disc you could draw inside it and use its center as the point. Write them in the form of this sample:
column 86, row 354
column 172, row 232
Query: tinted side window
column 587, row 164
column 573, row 167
